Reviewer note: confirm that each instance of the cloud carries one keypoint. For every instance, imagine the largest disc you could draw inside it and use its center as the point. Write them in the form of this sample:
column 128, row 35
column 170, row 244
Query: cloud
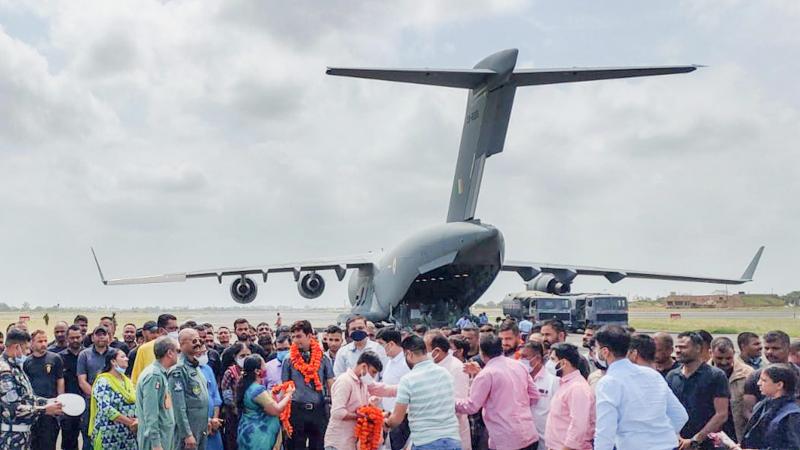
column 180, row 135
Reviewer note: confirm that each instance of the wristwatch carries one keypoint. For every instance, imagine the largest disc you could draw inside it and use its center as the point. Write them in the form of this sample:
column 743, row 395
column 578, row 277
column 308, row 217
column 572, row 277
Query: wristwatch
column 695, row 443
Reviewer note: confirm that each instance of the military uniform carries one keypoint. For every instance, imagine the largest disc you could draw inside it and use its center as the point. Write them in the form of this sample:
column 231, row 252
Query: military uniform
column 190, row 393
column 154, row 409
column 19, row 407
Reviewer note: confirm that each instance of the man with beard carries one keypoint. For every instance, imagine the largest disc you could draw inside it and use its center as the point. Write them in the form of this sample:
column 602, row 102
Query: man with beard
column 145, row 356
column 45, row 370
column 333, row 340
column 242, row 329
column 664, row 362
column 129, row 336
column 509, row 337
column 723, row 358
column 59, row 342
column 750, row 349
column 71, row 426
column 703, row 390
column 470, row 333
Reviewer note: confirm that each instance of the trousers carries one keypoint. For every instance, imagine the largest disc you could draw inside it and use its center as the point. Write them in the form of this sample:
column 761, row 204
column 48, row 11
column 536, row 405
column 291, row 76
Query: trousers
column 44, row 433
column 309, row 427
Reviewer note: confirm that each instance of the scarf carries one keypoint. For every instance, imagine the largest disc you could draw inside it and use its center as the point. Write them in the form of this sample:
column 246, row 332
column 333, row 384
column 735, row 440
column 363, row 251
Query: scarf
column 123, row 387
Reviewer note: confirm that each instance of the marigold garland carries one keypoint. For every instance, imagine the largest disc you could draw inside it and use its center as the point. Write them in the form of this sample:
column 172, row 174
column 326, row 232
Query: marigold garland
column 369, row 427
column 286, row 414
column 310, row 369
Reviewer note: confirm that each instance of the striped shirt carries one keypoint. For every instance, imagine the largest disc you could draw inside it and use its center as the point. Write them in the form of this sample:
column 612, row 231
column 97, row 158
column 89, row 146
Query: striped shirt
column 428, row 392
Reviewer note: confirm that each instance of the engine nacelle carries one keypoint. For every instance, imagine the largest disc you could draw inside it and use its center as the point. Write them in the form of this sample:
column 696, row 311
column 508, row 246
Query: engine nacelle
column 243, row 290
column 311, row 285
column 548, row 283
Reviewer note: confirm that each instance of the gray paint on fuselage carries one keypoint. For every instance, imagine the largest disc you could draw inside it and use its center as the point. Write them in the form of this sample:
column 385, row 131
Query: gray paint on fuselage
column 375, row 294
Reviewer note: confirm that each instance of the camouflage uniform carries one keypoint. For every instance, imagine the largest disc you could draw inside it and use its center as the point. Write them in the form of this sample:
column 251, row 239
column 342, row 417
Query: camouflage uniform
column 190, row 395
column 19, row 407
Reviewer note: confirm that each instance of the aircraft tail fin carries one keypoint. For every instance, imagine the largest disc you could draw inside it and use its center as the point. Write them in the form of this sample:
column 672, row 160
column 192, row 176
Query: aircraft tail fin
column 492, row 84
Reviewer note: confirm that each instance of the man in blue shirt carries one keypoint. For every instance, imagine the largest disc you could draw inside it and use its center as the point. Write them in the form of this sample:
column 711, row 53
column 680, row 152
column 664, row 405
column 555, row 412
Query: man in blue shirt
column 636, row 409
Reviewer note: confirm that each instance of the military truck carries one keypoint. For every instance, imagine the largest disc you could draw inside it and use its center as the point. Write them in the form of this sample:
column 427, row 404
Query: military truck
column 575, row 310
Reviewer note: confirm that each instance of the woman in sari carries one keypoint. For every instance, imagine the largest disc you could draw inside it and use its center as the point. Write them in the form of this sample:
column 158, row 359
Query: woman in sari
column 230, row 415
column 112, row 412
column 259, row 424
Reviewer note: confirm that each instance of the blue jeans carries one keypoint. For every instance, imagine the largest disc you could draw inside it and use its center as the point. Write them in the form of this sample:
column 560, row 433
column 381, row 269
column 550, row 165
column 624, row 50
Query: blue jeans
column 439, row 444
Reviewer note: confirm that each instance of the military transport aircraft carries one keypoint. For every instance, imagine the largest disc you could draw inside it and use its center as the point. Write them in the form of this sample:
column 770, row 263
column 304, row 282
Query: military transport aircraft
column 438, row 273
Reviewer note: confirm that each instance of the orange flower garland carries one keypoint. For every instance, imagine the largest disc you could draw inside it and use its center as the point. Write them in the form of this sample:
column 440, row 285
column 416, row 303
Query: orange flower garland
column 369, row 427
column 310, row 369
column 287, row 411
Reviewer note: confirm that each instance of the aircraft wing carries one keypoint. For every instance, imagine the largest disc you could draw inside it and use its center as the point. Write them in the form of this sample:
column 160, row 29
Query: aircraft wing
column 566, row 273
column 533, row 77
column 338, row 265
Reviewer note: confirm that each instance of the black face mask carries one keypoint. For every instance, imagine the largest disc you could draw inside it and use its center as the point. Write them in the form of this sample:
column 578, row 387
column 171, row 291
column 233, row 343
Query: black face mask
column 559, row 370
column 358, row 335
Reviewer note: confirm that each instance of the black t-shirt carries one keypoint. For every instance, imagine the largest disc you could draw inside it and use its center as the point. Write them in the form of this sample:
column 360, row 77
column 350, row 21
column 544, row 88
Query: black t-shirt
column 54, row 347
column 131, row 360
column 44, row 371
column 70, row 362
column 675, row 365
column 697, row 394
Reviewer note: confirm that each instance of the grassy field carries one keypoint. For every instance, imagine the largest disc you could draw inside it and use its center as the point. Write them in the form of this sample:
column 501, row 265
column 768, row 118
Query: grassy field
column 719, row 326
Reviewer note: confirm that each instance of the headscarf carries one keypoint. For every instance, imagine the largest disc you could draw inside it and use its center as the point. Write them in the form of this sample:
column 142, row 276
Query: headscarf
column 123, row 387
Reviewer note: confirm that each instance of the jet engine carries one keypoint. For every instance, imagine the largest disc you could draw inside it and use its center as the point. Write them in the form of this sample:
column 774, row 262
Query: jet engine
column 311, row 285
column 243, row 290
column 548, row 283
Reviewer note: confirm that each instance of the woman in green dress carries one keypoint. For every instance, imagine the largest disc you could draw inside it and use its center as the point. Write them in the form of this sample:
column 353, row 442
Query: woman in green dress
column 112, row 419
column 259, row 424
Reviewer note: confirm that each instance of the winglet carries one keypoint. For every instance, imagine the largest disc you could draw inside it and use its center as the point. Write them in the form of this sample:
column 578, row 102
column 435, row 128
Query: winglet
column 99, row 270
column 751, row 268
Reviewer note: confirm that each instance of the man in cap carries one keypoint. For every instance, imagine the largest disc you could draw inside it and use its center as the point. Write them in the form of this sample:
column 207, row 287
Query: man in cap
column 154, row 408
column 90, row 363
column 189, row 390
column 19, row 407
column 167, row 325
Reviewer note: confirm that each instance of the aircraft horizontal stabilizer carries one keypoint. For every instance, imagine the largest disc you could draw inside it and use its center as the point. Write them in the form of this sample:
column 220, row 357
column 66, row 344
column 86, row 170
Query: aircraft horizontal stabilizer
column 566, row 273
column 532, row 77
column 459, row 78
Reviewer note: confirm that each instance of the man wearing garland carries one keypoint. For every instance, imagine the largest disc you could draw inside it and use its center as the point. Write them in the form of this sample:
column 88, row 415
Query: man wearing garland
column 312, row 374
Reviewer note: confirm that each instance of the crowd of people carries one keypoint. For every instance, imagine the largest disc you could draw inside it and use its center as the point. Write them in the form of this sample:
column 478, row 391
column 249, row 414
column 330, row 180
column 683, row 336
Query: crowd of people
column 475, row 386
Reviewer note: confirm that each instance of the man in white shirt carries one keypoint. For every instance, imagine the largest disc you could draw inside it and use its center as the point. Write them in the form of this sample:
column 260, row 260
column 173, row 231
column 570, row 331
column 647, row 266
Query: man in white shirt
column 532, row 357
column 438, row 348
column 347, row 356
column 390, row 339
column 636, row 408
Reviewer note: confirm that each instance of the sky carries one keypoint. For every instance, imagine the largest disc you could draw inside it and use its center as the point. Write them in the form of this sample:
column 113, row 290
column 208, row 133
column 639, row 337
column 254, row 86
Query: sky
column 183, row 135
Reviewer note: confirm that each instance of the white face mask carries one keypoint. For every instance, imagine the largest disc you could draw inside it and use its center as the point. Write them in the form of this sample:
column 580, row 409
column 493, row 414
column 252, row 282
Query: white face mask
column 526, row 363
column 203, row 359
column 173, row 335
column 367, row 379
column 240, row 362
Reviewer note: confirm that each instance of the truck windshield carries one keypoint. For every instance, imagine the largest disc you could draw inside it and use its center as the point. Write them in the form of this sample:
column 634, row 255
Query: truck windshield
column 610, row 303
column 550, row 304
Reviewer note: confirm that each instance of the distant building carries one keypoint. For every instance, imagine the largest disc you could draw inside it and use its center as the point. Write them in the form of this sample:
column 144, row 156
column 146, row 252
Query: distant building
column 715, row 300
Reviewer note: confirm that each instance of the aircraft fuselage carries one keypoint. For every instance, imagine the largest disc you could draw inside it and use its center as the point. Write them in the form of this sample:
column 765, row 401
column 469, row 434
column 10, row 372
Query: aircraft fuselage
column 436, row 273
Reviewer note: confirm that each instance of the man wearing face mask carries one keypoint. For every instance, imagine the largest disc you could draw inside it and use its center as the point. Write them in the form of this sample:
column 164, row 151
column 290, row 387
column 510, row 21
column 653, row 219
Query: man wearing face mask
column 438, row 348
column 19, row 407
column 571, row 420
column 189, row 390
column 348, row 355
column 275, row 367
column 396, row 366
column 546, row 383
column 349, row 392
column 504, row 390
column 167, row 326
column 154, row 408
column 635, row 407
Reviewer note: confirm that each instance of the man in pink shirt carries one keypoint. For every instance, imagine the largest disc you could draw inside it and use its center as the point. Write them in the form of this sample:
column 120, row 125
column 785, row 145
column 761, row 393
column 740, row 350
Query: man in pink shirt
column 570, row 424
column 438, row 347
column 348, row 393
column 506, row 393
